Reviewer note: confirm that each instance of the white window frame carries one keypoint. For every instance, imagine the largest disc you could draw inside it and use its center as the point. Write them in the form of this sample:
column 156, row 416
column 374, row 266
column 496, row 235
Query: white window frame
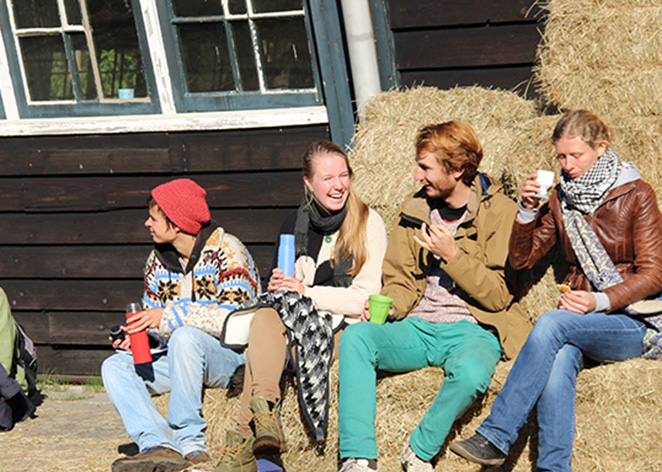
column 166, row 119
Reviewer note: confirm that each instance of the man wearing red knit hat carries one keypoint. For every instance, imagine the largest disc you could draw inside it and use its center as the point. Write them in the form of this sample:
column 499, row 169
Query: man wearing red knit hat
column 195, row 275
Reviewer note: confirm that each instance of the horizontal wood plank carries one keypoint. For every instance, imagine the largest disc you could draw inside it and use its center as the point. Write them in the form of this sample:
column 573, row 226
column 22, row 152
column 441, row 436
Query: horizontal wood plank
column 102, row 193
column 434, row 13
column 263, row 149
column 158, row 153
column 92, row 262
column 69, row 295
column 71, row 360
column 127, row 226
column 55, row 262
column 81, row 328
column 86, row 154
column 466, row 47
column 517, row 79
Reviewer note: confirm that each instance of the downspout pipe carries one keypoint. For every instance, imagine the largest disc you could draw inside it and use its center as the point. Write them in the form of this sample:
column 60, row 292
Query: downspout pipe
column 362, row 52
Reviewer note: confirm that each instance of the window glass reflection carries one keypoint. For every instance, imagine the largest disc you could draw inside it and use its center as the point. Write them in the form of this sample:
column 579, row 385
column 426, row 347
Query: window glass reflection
column 46, row 68
column 205, row 57
column 286, row 58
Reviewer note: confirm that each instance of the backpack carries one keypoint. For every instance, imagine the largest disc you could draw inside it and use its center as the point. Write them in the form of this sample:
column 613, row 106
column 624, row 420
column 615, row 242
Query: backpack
column 27, row 359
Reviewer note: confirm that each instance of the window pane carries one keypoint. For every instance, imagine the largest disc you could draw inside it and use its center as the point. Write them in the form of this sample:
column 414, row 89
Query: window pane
column 245, row 56
column 88, row 89
column 36, row 13
column 205, row 57
column 286, row 58
column 237, row 7
column 73, row 12
column 261, row 6
column 117, row 48
column 197, row 7
column 46, row 68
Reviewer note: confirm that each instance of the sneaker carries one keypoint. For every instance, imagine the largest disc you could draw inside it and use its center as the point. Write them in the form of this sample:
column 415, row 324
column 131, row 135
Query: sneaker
column 237, row 454
column 412, row 463
column 478, row 449
column 359, row 465
column 197, row 457
column 158, row 458
column 269, row 438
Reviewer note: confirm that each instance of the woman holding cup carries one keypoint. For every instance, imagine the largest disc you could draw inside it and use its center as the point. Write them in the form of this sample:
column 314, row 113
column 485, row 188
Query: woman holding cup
column 339, row 245
column 608, row 225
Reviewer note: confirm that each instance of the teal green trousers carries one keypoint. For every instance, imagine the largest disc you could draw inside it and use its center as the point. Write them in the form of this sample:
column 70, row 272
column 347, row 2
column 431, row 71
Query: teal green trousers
column 467, row 353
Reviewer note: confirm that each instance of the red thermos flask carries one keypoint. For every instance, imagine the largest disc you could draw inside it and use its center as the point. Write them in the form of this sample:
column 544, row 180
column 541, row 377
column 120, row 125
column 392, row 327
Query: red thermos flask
column 139, row 340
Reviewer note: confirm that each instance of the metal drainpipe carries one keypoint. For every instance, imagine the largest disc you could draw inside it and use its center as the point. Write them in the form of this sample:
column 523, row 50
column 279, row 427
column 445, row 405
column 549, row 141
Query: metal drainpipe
column 362, row 51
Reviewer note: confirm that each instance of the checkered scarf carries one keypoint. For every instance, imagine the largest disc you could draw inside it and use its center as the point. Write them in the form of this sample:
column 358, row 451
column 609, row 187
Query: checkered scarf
column 587, row 192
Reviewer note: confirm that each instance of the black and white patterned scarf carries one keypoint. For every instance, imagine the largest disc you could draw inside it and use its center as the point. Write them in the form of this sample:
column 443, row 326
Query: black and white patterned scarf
column 310, row 331
column 585, row 193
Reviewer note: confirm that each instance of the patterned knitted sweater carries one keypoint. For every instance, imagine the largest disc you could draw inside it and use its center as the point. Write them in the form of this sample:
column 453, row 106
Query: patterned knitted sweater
column 219, row 276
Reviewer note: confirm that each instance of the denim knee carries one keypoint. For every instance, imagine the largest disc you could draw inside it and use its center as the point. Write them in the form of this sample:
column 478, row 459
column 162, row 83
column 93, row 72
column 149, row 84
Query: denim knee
column 115, row 367
column 183, row 341
column 184, row 335
column 547, row 326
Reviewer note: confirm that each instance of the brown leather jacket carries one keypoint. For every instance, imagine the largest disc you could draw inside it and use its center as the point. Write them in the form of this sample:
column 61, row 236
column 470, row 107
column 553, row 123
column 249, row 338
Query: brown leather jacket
column 628, row 223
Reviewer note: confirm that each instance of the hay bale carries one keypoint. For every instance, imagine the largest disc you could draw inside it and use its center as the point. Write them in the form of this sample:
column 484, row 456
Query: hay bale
column 605, row 56
column 617, row 406
column 383, row 147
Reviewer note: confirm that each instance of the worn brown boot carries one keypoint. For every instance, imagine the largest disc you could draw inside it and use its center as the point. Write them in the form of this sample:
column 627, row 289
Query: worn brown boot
column 237, row 454
column 269, row 437
column 158, row 458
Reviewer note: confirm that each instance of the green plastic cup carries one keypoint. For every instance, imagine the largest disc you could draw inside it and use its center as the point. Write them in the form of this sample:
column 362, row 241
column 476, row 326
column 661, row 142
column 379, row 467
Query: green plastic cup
column 379, row 307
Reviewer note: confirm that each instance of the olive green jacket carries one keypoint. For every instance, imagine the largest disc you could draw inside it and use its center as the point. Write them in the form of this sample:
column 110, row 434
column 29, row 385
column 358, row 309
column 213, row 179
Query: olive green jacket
column 478, row 268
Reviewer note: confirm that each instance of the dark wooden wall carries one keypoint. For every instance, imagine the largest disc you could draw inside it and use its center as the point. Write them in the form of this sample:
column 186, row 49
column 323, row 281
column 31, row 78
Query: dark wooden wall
column 73, row 242
column 443, row 43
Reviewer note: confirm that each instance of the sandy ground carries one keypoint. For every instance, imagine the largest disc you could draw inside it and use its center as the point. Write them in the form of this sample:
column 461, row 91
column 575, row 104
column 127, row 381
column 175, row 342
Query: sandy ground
column 75, row 430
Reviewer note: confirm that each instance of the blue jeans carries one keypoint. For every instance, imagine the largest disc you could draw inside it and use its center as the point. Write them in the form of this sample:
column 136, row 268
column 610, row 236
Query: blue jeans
column 467, row 352
column 545, row 374
column 194, row 359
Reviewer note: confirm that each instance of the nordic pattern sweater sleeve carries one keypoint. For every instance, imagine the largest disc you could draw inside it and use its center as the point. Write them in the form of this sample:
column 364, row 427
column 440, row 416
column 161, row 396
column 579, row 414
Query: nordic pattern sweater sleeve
column 224, row 277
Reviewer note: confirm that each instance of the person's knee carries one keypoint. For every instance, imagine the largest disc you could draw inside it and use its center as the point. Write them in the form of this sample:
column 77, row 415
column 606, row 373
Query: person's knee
column 547, row 326
column 265, row 316
column 113, row 367
column 183, row 335
column 185, row 343
column 356, row 341
column 471, row 375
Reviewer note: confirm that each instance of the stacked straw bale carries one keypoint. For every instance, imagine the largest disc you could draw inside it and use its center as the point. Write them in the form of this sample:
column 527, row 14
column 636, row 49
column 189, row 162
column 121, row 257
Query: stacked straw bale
column 604, row 56
column 383, row 150
column 617, row 421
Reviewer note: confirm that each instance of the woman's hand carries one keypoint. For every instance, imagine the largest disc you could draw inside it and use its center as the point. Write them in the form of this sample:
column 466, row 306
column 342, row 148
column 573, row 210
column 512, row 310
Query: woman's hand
column 144, row 319
column 275, row 280
column 278, row 281
column 578, row 301
column 292, row 284
column 439, row 241
column 528, row 190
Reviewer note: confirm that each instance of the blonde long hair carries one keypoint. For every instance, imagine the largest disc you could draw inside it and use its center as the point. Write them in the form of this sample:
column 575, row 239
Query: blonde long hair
column 352, row 238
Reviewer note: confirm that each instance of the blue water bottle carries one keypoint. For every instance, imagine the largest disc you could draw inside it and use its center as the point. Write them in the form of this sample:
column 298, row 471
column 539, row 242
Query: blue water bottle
column 286, row 254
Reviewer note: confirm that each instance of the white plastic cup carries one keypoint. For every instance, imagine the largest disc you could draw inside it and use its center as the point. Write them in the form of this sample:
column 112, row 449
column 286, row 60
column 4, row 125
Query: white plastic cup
column 546, row 180
column 286, row 254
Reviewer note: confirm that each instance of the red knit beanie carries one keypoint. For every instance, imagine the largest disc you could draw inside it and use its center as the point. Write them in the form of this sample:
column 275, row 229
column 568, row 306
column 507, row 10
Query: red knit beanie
column 183, row 202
